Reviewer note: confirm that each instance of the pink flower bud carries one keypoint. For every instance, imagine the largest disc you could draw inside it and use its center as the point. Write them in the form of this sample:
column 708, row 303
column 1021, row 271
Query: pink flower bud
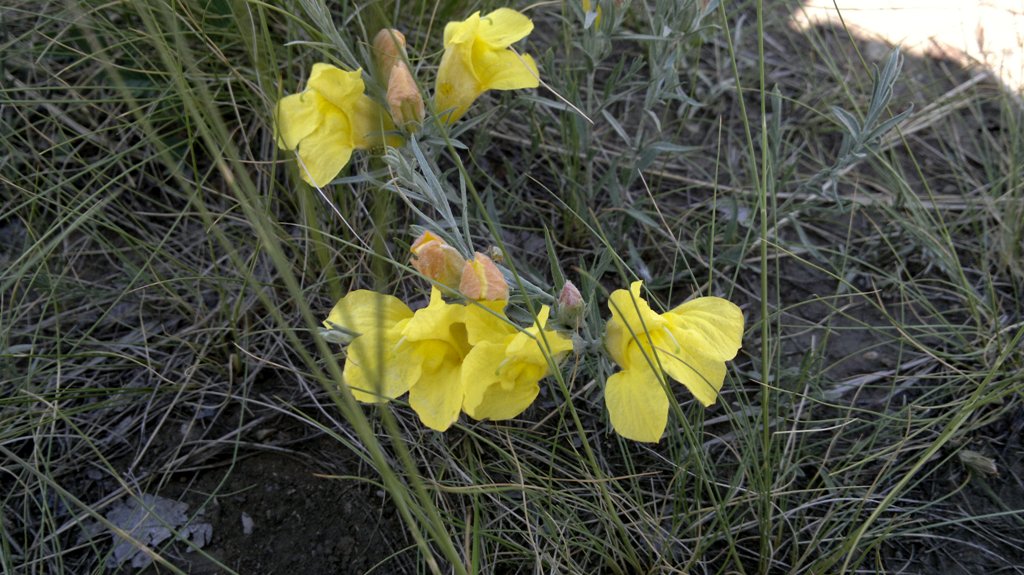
column 570, row 304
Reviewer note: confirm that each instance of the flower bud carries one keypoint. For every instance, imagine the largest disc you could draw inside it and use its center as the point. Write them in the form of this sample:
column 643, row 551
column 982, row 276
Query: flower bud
column 482, row 280
column 403, row 96
column 404, row 99
column 388, row 46
column 570, row 305
column 495, row 253
column 435, row 259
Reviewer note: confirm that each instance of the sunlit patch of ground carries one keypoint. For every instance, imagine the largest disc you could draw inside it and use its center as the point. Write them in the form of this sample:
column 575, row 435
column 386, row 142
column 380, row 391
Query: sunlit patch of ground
column 987, row 32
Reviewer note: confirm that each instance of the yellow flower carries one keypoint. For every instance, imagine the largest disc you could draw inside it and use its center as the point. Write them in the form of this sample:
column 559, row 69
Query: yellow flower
column 435, row 338
column 501, row 376
column 438, row 340
column 689, row 344
column 477, row 58
column 374, row 370
column 329, row 120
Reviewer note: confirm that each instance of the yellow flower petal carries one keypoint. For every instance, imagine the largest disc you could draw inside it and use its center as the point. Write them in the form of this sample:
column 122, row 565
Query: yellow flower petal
column 297, row 116
column 375, row 368
column 337, row 86
column 689, row 344
column 429, row 355
column 503, row 27
column 369, row 123
column 498, row 403
column 462, row 32
column 631, row 318
column 702, row 375
column 710, row 326
column 489, row 395
column 528, row 345
column 362, row 311
column 506, row 70
column 479, row 371
column 637, row 404
column 457, row 87
column 486, row 321
column 437, row 396
column 326, row 151
column 440, row 321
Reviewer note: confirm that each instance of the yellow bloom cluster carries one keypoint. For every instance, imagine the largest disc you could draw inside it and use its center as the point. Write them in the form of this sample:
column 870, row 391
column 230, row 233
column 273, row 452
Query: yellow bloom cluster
column 334, row 116
column 450, row 357
column 466, row 356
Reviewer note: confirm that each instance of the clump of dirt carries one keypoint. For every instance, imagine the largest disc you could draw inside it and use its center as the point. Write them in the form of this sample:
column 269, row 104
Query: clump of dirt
column 271, row 513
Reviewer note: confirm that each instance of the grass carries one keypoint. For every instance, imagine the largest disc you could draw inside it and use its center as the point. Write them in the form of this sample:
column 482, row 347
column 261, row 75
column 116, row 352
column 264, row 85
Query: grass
column 163, row 273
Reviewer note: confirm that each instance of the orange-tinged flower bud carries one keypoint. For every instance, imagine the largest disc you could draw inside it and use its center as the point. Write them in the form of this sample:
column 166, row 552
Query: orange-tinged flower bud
column 482, row 280
column 404, row 99
column 435, row 259
column 388, row 45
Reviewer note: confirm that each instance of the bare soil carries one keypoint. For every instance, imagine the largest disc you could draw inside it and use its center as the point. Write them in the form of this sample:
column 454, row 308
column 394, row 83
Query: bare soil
column 274, row 513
